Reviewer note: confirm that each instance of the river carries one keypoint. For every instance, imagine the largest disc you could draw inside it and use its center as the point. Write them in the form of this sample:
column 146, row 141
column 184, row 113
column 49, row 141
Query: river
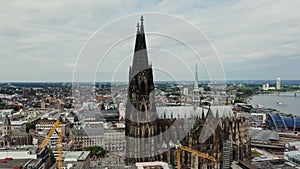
column 285, row 102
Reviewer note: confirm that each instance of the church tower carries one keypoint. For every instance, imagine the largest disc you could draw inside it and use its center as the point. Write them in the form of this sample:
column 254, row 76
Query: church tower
column 196, row 92
column 140, row 113
column 6, row 126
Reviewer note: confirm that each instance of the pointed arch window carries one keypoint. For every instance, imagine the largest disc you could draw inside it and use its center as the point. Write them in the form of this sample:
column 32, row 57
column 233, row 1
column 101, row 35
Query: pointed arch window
column 143, row 89
column 143, row 112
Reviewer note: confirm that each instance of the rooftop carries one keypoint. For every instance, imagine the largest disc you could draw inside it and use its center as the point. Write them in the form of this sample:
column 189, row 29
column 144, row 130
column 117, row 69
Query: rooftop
column 13, row 163
column 94, row 131
column 188, row 112
column 76, row 155
column 78, row 132
column 263, row 135
column 16, row 123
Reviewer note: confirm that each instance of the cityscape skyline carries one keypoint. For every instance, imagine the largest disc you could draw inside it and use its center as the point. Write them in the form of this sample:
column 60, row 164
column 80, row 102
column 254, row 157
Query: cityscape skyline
column 160, row 84
column 42, row 37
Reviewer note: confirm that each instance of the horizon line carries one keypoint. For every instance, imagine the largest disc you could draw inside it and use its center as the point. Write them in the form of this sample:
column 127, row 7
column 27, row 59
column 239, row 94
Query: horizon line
column 154, row 81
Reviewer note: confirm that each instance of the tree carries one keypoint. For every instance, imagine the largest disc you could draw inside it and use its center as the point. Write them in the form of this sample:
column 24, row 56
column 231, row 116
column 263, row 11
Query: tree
column 29, row 126
column 238, row 101
column 52, row 158
column 68, row 105
column 96, row 150
column 206, row 88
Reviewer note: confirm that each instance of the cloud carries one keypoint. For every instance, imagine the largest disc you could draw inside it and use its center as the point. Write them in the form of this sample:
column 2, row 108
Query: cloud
column 252, row 37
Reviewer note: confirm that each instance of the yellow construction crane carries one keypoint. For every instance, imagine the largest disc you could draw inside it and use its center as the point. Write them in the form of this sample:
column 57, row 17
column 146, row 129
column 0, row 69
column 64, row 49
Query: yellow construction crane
column 188, row 149
column 57, row 124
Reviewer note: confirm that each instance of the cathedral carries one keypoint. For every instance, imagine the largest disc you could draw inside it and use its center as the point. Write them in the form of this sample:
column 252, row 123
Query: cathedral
column 152, row 133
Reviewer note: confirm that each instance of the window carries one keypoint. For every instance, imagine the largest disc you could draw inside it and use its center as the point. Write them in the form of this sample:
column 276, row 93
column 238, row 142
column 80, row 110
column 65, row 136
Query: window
column 209, row 166
column 143, row 88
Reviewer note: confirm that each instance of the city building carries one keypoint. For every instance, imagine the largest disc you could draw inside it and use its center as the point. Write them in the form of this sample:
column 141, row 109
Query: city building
column 278, row 83
column 259, row 136
column 185, row 91
column 76, row 160
column 267, row 87
column 94, row 137
column 11, row 137
column 72, row 117
column 26, row 93
column 8, row 112
column 39, row 137
column 151, row 133
column 25, row 157
column 46, row 124
column 114, row 140
column 121, row 112
column 17, row 126
column 78, row 137
column 257, row 120
column 278, row 122
column 111, row 139
column 264, row 87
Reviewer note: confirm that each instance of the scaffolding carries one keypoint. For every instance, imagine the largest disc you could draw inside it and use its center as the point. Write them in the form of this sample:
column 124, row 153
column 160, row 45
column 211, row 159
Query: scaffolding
column 227, row 149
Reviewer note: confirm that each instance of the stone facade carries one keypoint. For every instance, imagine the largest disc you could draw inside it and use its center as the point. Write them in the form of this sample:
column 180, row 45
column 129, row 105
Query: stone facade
column 140, row 126
column 112, row 140
column 11, row 137
column 46, row 124
column 228, row 130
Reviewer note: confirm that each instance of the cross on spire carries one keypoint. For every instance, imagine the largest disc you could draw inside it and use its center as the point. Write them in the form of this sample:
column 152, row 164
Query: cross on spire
column 142, row 24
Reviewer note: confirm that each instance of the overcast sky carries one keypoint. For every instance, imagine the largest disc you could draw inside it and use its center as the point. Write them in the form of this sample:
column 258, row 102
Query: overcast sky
column 248, row 39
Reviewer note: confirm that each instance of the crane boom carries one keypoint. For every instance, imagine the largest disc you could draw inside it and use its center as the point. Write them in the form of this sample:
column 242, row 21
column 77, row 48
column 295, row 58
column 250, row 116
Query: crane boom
column 60, row 148
column 57, row 124
column 178, row 158
column 188, row 149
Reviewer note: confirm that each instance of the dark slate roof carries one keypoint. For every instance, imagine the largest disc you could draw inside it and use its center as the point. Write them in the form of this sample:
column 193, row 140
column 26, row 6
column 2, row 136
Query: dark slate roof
column 78, row 132
column 263, row 135
column 94, row 131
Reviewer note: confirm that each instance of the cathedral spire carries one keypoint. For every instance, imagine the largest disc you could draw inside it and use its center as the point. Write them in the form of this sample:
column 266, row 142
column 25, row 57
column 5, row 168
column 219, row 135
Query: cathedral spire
column 138, row 27
column 140, row 58
column 142, row 24
column 140, row 122
column 196, row 95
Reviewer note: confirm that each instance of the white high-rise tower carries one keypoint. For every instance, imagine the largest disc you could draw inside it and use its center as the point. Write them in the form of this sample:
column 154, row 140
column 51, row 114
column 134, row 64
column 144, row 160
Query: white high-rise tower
column 278, row 83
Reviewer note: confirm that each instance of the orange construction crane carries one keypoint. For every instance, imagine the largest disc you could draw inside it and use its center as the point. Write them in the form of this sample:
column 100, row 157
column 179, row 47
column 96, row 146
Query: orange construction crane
column 57, row 124
column 188, row 149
